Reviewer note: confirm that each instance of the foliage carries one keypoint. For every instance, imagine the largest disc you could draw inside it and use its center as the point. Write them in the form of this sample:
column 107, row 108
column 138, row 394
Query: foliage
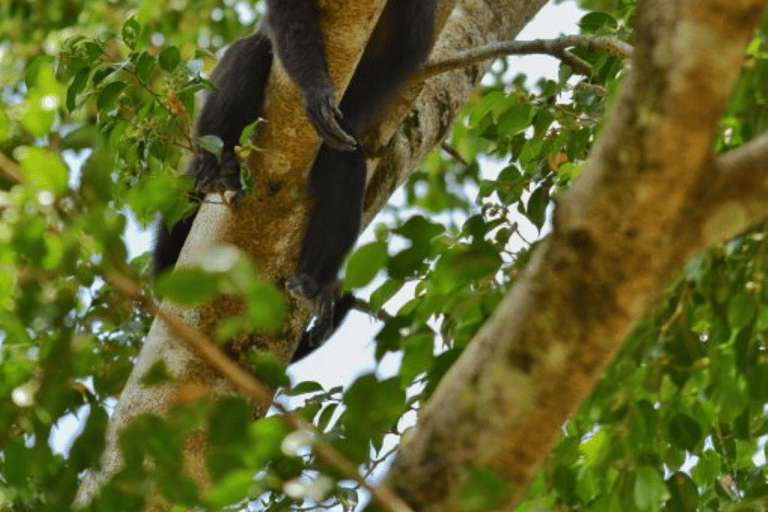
column 97, row 104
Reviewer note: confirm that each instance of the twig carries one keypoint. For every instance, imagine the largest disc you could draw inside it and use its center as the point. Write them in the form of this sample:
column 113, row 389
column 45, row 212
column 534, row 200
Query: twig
column 365, row 307
column 243, row 380
column 454, row 153
column 10, row 169
column 555, row 47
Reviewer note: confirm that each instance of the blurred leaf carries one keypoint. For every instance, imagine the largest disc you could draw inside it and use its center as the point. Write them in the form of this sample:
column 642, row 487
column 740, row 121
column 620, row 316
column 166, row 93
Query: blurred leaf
column 130, row 32
column 187, row 286
column 684, row 431
column 43, row 169
column 145, row 65
column 108, row 95
column 650, row 490
column 169, row 58
column 364, row 264
column 212, row 144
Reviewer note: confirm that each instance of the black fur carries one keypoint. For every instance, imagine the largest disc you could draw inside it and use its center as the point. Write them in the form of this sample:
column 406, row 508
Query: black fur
column 399, row 43
column 316, row 336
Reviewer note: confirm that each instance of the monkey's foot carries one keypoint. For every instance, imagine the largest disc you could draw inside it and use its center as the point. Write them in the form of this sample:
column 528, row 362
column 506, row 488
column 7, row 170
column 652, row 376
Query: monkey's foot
column 222, row 178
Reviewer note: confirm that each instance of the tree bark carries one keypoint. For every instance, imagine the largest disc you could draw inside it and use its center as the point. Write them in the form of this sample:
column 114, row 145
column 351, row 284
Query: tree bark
column 652, row 195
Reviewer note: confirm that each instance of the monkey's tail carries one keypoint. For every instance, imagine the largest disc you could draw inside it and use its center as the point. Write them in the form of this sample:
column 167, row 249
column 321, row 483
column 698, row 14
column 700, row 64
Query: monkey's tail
column 313, row 338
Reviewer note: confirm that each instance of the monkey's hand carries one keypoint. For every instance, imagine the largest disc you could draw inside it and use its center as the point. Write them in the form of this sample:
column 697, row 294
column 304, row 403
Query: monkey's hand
column 327, row 119
column 212, row 176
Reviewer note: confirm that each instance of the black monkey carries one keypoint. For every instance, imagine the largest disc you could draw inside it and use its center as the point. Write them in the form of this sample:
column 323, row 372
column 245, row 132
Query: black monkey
column 399, row 43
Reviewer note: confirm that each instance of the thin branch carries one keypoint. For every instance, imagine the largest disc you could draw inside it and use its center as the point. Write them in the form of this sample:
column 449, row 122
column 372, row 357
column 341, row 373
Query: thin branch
column 365, row 307
column 248, row 384
column 10, row 169
column 555, row 47
column 454, row 153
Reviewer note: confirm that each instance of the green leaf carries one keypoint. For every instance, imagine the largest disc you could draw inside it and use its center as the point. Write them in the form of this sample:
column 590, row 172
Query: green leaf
column 418, row 356
column 77, row 84
column 684, row 431
column 372, row 407
column 187, row 286
column 169, row 58
column 484, row 489
column 683, row 493
column 650, row 490
column 741, row 310
column 306, row 386
column 418, row 228
column 8, row 275
column 145, row 65
column 43, row 169
column 43, row 100
column 537, row 206
column 267, row 434
column 383, row 293
column 708, row 468
column 212, row 144
column 5, row 125
column 325, row 416
column 247, row 134
column 157, row 374
column 420, row 232
column 364, row 264
column 491, row 102
column 108, row 95
column 596, row 447
column 151, row 193
column 130, row 32
column 596, row 21
column 232, row 488
column 266, row 306
column 515, row 120
column 269, row 369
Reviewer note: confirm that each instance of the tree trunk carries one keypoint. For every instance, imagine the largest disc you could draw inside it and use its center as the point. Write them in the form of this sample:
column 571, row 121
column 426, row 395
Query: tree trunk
column 651, row 196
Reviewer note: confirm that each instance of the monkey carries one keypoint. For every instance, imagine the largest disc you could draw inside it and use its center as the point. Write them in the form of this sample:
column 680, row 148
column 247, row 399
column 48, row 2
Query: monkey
column 399, row 44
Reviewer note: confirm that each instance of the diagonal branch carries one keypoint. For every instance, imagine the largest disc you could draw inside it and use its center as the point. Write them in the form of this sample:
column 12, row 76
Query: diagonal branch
column 250, row 386
column 619, row 234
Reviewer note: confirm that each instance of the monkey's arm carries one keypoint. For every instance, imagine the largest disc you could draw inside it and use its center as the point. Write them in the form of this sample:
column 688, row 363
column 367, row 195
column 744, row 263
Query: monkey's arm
column 294, row 27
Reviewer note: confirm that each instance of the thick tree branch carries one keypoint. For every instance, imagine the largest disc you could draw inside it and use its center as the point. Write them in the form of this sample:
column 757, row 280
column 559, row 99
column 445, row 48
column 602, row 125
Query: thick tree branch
column 619, row 234
column 740, row 185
